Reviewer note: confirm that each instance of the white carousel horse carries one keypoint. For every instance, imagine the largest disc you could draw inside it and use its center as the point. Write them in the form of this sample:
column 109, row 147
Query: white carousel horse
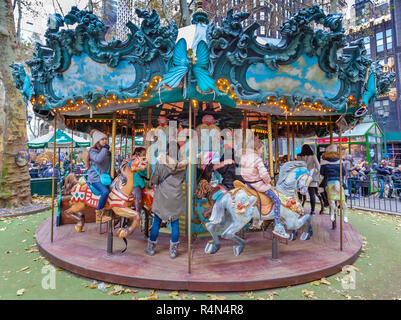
column 234, row 209
column 333, row 194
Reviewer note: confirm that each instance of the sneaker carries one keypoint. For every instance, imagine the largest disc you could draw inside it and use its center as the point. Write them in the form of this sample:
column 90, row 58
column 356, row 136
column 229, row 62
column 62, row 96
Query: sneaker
column 280, row 231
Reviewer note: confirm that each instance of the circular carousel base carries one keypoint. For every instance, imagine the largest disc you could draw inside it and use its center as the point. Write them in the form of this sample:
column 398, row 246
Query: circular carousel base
column 298, row 262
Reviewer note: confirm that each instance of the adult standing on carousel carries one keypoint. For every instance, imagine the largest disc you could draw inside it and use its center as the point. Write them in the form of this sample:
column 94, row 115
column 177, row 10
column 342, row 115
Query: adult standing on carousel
column 98, row 164
column 330, row 170
column 169, row 199
column 309, row 157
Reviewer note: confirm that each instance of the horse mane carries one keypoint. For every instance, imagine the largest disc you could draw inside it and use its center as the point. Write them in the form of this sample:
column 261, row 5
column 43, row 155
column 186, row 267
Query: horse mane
column 69, row 182
column 121, row 179
column 288, row 187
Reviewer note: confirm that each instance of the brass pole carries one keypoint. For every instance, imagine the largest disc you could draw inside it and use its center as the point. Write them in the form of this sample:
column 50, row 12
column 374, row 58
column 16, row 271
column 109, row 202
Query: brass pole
column 293, row 142
column 190, row 187
column 126, row 141
column 132, row 137
column 148, row 142
column 244, row 127
column 341, row 192
column 276, row 148
column 53, row 176
column 121, row 147
column 270, row 141
column 331, row 131
column 288, row 141
column 113, row 148
column 72, row 146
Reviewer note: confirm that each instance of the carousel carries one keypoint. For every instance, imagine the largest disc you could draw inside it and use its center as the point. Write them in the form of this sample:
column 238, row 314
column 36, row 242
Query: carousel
column 200, row 81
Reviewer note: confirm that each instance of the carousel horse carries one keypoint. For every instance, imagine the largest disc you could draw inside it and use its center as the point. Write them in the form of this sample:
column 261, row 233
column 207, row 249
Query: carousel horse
column 333, row 194
column 119, row 201
column 234, row 209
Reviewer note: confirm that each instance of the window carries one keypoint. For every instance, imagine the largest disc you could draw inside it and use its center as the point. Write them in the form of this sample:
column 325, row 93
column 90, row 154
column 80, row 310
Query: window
column 366, row 41
column 262, row 16
column 262, row 3
column 246, row 8
column 389, row 39
column 379, row 41
column 262, row 31
column 254, row 16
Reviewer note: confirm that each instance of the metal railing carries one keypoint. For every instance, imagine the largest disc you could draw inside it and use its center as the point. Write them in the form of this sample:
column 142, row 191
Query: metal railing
column 382, row 194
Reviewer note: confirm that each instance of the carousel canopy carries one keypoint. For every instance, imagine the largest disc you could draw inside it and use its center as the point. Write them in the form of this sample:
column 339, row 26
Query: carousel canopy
column 63, row 140
column 308, row 72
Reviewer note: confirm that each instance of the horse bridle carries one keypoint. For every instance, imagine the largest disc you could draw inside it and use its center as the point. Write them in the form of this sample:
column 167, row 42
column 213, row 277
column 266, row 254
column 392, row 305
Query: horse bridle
column 307, row 179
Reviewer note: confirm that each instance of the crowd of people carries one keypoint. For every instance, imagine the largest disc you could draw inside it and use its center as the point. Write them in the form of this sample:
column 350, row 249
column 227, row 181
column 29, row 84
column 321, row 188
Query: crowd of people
column 63, row 167
column 359, row 175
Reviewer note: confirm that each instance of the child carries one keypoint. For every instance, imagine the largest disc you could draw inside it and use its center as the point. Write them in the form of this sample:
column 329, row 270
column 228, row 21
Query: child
column 140, row 178
column 169, row 200
column 255, row 174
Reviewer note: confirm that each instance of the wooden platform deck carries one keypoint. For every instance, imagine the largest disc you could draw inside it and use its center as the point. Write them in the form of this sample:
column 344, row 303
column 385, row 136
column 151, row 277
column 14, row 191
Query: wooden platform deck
column 299, row 261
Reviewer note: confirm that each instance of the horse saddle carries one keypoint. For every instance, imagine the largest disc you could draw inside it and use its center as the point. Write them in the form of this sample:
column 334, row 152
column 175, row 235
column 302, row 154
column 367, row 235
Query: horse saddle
column 266, row 205
column 94, row 190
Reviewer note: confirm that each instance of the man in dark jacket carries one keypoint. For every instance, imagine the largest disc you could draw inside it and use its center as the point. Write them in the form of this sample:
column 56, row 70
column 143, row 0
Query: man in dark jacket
column 396, row 176
column 383, row 174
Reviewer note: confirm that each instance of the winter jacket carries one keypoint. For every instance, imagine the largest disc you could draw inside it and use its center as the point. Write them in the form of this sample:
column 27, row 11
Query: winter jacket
column 396, row 176
column 383, row 173
column 348, row 165
column 140, row 179
column 253, row 171
column 48, row 173
column 312, row 163
column 101, row 161
column 169, row 201
column 364, row 176
column 330, row 167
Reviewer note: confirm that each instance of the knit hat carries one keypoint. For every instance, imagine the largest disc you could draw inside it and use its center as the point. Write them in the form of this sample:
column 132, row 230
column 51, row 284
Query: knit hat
column 97, row 136
column 332, row 148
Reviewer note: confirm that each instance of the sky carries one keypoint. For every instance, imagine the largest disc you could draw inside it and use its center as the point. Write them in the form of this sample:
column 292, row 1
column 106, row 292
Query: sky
column 38, row 24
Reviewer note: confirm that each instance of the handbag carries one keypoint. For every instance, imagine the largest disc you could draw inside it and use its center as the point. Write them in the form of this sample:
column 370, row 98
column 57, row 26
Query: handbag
column 105, row 178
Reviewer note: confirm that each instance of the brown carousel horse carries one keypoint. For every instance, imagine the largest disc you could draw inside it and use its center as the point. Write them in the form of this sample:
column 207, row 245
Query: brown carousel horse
column 119, row 201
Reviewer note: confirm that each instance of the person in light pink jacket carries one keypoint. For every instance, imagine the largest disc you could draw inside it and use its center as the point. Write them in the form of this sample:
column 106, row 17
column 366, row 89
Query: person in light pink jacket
column 256, row 176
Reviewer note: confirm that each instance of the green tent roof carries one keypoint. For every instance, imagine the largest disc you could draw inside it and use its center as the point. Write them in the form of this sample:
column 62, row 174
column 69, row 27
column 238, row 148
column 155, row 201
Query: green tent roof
column 63, row 140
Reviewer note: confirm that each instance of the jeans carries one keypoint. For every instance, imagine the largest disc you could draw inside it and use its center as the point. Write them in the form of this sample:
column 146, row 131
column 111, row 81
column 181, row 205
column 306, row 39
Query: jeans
column 104, row 191
column 353, row 183
column 277, row 203
column 154, row 232
column 138, row 198
column 382, row 184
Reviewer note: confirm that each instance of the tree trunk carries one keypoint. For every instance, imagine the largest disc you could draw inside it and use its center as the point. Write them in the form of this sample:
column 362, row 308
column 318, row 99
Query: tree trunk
column 14, row 181
column 19, row 21
column 185, row 13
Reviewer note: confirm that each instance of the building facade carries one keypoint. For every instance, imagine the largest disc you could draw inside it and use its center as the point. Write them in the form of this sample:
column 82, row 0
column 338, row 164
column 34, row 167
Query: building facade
column 380, row 29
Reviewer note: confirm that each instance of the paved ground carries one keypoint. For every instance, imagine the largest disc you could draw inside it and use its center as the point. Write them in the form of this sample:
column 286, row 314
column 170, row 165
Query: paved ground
column 377, row 271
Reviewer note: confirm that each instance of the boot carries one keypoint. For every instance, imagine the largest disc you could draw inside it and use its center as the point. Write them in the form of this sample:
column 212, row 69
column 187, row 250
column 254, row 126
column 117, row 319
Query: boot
column 173, row 249
column 321, row 203
column 150, row 249
column 325, row 199
column 100, row 218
